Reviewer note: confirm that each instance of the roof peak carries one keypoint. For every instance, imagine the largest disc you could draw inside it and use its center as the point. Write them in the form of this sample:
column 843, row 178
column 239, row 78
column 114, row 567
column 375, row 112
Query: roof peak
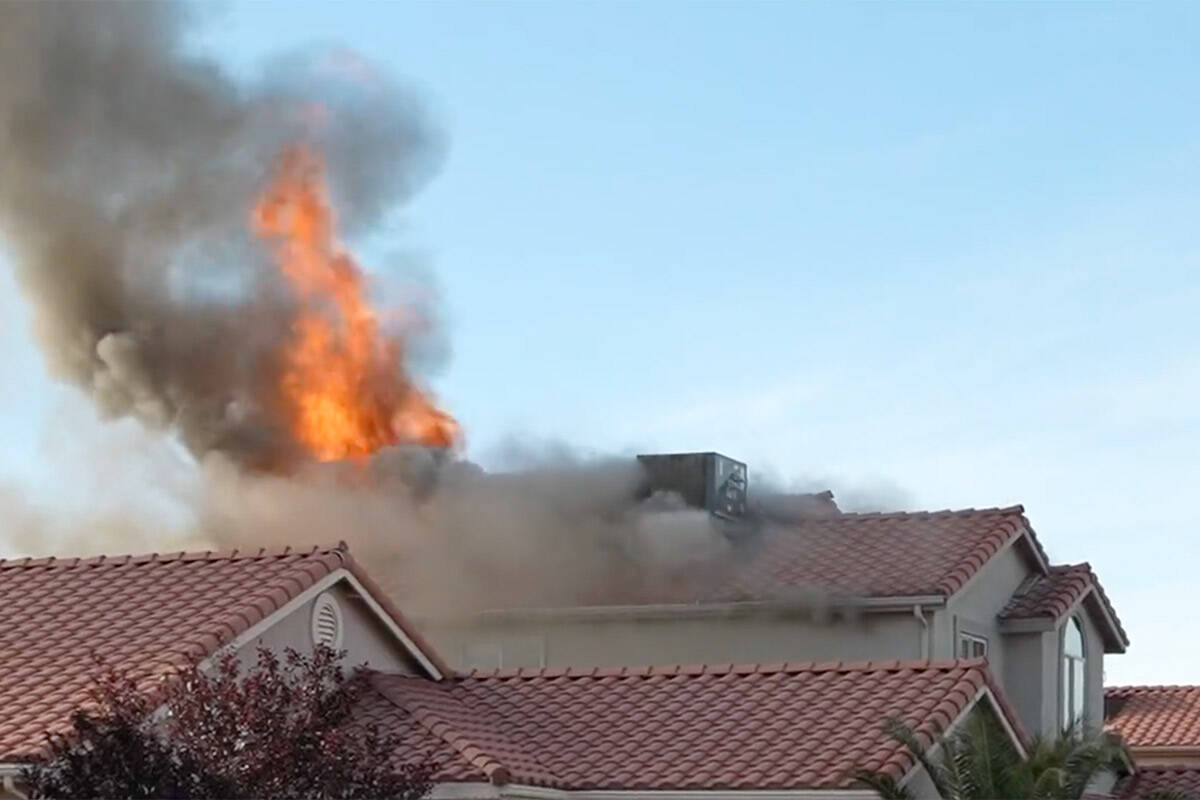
column 236, row 554
column 695, row 670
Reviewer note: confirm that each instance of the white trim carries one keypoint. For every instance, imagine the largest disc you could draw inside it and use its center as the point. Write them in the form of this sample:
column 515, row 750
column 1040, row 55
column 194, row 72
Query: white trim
column 972, row 638
column 997, row 708
column 924, row 634
column 9, row 768
column 260, row 627
column 392, row 626
column 340, row 574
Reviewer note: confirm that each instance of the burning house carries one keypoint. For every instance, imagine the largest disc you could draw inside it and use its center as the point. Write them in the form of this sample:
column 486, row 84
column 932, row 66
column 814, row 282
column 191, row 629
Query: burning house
column 175, row 234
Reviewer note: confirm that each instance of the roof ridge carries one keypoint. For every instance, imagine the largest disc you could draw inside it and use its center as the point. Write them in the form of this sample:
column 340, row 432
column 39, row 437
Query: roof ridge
column 942, row 512
column 695, row 670
column 1147, row 688
column 937, row 512
column 234, row 554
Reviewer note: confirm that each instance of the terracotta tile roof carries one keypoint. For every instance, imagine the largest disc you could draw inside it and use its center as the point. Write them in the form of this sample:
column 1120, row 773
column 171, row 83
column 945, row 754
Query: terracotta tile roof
column 874, row 555
column 716, row 727
column 1053, row 595
column 1182, row 781
column 148, row 614
column 1154, row 716
column 417, row 743
column 794, row 506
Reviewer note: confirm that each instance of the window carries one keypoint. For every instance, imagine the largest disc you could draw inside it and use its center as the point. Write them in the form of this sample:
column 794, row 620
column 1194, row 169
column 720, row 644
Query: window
column 972, row 646
column 529, row 651
column 1073, row 674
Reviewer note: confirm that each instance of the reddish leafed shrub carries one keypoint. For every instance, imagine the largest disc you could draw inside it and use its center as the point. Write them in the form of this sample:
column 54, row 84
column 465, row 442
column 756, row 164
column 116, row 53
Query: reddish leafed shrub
column 282, row 729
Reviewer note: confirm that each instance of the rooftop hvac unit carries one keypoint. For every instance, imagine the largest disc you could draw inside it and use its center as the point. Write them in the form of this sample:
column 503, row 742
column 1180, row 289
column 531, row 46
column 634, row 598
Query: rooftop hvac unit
column 710, row 481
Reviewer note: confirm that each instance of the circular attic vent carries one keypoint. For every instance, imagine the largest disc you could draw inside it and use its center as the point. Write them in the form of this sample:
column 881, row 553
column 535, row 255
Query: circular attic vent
column 327, row 622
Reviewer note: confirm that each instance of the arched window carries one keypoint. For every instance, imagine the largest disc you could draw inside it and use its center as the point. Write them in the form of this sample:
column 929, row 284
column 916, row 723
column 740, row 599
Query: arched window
column 1073, row 674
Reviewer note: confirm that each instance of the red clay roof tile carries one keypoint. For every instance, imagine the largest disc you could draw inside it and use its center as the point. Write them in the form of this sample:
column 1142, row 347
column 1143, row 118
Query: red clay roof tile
column 875, row 555
column 1154, row 716
column 1053, row 595
column 147, row 614
column 735, row 728
column 871, row 555
column 1181, row 782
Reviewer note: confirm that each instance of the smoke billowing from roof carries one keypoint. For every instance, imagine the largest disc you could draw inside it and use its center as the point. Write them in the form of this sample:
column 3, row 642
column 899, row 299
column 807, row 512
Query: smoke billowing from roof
column 128, row 171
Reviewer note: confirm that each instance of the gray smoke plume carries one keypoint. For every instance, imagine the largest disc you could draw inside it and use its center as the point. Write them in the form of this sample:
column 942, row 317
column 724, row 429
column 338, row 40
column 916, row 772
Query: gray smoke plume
column 126, row 173
column 559, row 532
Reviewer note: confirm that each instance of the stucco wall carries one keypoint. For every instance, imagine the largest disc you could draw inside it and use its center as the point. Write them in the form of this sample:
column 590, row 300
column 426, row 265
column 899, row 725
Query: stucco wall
column 627, row 642
column 1033, row 679
column 1033, row 676
column 1093, row 650
column 365, row 638
column 975, row 609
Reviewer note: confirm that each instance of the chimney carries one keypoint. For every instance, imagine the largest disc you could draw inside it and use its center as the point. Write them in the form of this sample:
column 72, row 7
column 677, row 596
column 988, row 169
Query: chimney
column 710, row 481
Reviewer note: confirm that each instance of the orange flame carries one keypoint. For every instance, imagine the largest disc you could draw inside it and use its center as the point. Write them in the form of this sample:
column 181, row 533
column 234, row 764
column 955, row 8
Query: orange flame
column 343, row 383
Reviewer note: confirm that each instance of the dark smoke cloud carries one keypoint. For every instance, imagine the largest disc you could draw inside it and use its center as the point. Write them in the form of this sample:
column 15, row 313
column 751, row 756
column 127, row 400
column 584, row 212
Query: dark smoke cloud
column 127, row 169
column 126, row 174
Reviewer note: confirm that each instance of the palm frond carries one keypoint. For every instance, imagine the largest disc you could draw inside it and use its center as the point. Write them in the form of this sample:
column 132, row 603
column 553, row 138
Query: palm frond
column 945, row 780
column 884, row 785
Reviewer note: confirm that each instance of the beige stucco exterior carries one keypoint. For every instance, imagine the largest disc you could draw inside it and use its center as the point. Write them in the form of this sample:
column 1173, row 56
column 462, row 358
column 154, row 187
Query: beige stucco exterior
column 1026, row 664
column 625, row 638
column 365, row 638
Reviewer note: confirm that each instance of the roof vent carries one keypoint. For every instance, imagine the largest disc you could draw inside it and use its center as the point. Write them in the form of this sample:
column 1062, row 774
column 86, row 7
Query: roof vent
column 327, row 622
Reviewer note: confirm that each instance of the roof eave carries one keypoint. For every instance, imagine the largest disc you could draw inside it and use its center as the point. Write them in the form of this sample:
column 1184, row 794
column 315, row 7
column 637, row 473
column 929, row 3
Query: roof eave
column 1028, row 624
column 1115, row 641
column 887, row 604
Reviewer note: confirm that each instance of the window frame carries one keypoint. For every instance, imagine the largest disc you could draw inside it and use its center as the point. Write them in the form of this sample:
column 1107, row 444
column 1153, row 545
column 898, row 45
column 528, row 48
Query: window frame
column 500, row 652
column 973, row 639
column 1071, row 668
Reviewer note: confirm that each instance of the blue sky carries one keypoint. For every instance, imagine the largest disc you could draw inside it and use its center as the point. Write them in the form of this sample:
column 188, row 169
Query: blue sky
column 934, row 255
